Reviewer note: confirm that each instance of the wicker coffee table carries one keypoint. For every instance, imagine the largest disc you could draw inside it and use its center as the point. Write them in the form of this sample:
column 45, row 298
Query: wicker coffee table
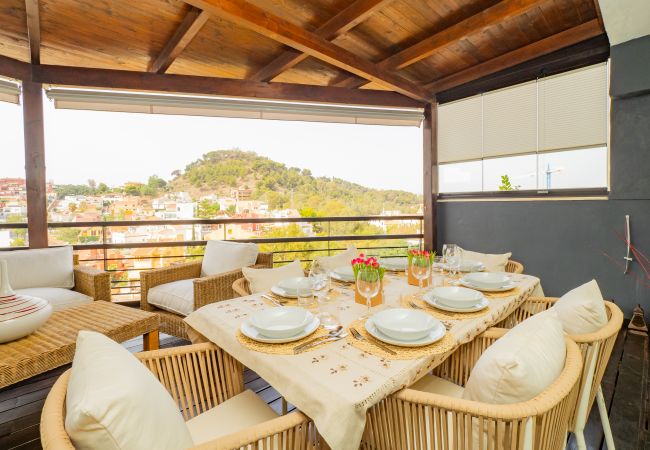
column 53, row 344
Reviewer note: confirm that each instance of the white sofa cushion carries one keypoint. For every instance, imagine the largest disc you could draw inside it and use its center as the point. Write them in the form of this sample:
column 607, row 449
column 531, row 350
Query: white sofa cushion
column 233, row 415
column 59, row 298
column 582, row 310
column 114, row 402
column 492, row 262
column 261, row 280
column 339, row 260
column 223, row 256
column 521, row 364
column 42, row 267
column 176, row 297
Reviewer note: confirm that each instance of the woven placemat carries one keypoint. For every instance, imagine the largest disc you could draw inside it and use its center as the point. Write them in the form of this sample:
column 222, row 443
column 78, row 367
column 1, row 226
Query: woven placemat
column 439, row 313
column 279, row 349
column 444, row 345
column 510, row 293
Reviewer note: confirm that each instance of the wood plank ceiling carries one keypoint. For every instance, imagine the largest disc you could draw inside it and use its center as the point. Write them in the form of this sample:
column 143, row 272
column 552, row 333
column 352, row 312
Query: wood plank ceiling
column 415, row 47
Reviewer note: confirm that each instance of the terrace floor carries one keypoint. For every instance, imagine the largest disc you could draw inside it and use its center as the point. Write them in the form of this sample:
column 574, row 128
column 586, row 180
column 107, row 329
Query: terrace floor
column 626, row 386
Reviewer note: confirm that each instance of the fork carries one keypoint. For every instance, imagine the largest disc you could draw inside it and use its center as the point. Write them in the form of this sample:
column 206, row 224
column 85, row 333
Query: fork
column 414, row 305
column 359, row 337
column 272, row 300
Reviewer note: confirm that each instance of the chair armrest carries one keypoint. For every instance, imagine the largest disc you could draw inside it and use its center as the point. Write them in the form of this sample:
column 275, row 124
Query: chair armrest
column 241, row 287
column 92, row 282
column 198, row 377
column 218, row 287
column 264, row 260
column 156, row 277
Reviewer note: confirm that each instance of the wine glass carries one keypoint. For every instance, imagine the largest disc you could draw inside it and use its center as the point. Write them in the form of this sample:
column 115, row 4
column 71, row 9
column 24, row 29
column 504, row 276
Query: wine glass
column 421, row 268
column 368, row 285
column 452, row 261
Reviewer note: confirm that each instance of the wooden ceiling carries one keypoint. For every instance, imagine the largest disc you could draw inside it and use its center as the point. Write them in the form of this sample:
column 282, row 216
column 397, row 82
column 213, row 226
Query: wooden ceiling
column 414, row 47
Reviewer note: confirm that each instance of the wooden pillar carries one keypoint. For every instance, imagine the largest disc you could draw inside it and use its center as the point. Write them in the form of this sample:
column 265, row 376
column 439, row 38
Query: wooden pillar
column 35, row 164
column 430, row 175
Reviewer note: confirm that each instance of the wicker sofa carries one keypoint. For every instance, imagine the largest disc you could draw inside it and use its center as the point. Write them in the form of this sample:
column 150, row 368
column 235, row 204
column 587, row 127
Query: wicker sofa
column 206, row 290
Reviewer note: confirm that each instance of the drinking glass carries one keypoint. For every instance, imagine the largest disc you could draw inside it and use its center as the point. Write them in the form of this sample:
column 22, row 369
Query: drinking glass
column 368, row 285
column 452, row 261
column 438, row 264
column 421, row 269
column 305, row 293
column 320, row 277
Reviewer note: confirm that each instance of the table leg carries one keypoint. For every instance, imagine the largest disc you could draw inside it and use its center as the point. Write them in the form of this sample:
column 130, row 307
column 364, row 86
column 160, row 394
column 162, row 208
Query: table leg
column 151, row 340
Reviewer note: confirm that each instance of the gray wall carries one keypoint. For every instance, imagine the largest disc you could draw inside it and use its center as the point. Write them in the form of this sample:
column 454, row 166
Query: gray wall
column 565, row 242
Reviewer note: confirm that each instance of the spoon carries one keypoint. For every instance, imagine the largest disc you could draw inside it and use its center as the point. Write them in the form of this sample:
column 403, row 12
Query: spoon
column 332, row 333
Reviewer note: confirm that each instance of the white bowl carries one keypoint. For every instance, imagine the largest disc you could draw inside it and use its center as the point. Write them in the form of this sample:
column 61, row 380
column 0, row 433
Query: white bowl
column 22, row 315
column 293, row 284
column 458, row 297
column 345, row 273
column 471, row 266
column 487, row 279
column 395, row 263
column 404, row 324
column 282, row 322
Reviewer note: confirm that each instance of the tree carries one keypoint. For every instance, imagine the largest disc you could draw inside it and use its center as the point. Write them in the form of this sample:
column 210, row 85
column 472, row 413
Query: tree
column 506, row 185
column 102, row 188
column 231, row 209
column 156, row 182
column 92, row 184
column 207, row 209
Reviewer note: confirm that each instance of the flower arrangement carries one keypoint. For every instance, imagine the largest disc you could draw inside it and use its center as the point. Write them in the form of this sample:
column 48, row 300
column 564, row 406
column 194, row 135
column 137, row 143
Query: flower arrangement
column 420, row 257
column 367, row 267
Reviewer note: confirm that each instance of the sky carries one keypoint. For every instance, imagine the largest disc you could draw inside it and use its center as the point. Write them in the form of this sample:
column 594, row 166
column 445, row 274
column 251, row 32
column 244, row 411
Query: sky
column 116, row 147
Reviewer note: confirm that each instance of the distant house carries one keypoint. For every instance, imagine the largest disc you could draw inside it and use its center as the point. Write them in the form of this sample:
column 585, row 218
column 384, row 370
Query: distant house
column 241, row 193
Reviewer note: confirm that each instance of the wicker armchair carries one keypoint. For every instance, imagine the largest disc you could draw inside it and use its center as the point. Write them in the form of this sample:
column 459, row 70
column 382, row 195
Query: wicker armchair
column 206, row 290
column 514, row 267
column 92, row 282
column 423, row 420
column 198, row 377
column 241, row 287
column 596, row 348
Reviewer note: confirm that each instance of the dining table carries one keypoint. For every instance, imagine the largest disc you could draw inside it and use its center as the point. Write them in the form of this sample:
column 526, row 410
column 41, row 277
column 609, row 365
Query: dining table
column 336, row 383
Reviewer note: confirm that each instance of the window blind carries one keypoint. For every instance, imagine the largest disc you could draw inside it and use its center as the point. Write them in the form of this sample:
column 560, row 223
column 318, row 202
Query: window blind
column 460, row 134
column 9, row 91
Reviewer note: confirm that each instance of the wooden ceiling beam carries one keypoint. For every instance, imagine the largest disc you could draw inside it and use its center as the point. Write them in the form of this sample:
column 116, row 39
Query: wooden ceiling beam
column 228, row 87
column 477, row 23
column 253, row 18
column 33, row 30
column 545, row 46
column 339, row 24
column 12, row 68
column 186, row 31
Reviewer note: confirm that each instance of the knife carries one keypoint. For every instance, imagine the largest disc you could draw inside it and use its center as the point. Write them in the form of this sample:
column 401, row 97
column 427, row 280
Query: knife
column 307, row 345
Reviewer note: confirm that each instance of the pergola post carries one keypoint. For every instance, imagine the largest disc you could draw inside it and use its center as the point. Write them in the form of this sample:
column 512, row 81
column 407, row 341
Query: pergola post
column 430, row 175
column 35, row 164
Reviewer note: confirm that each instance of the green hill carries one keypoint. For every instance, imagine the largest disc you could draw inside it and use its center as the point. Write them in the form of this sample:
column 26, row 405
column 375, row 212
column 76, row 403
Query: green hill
column 288, row 187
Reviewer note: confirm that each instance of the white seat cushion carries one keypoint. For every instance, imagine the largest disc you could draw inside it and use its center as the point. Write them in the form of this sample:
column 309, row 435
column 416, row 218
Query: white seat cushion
column 582, row 310
column 492, row 263
column 521, row 364
column 42, row 267
column 59, row 298
column 222, row 256
column 176, row 297
column 233, row 415
column 261, row 280
column 339, row 260
column 436, row 385
column 115, row 403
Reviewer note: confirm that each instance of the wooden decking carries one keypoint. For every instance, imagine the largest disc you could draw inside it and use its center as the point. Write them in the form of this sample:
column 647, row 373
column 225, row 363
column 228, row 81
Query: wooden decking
column 626, row 387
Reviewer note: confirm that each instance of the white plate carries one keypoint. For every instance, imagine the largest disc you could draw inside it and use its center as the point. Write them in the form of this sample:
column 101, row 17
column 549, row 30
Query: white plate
column 291, row 285
column 488, row 279
column 456, row 297
column 504, row 288
column 484, row 303
column 345, row 274
column 434, row 336
column 250, row 331
column 469, row 266
column 281, row 323
column 404, row 324
column 277, row 290
column 395, row 264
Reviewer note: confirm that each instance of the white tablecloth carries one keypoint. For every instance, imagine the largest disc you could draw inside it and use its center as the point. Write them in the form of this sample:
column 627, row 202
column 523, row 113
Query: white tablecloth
column 336, row 384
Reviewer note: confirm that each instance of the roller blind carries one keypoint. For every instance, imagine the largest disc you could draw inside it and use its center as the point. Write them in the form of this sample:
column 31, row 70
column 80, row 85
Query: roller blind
column 573, row 109
column 231, row 107
column 460, row 130
column 510, row 120
column 9, row 91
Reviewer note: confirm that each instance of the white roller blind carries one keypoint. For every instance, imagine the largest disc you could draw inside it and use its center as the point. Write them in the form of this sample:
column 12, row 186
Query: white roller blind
column 9, row 91
column 460, row 130
column 510, row 121
column 573, row 109
column 232, row 107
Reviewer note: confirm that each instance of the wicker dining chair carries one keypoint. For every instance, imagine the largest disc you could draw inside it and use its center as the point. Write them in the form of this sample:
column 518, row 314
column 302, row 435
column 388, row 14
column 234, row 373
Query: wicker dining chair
column 596, row 349
column 423, row 420
column 514, row 267
column 206, row 290
column 241, row 287
column 92, row 282
column 198, row 377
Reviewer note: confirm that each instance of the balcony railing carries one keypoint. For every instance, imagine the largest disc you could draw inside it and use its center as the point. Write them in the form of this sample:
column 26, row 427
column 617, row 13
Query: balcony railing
column 125, row 248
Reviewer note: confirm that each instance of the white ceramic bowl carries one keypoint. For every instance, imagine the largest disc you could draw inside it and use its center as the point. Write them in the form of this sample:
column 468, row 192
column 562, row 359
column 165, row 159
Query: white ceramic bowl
column 291, row 285
column 22, row 315
column 404, row 324
column 345, row 273
column 458, row 297
column 281, row 323
column 487, row 279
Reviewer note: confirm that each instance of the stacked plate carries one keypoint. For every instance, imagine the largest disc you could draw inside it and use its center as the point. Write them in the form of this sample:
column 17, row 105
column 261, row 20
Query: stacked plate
column 467, row 265
column 405, row 327
column 395, row 264
column 279, row 325
column 488, row 281
column 456, row 299
column 344, row 274
column 290, row 287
